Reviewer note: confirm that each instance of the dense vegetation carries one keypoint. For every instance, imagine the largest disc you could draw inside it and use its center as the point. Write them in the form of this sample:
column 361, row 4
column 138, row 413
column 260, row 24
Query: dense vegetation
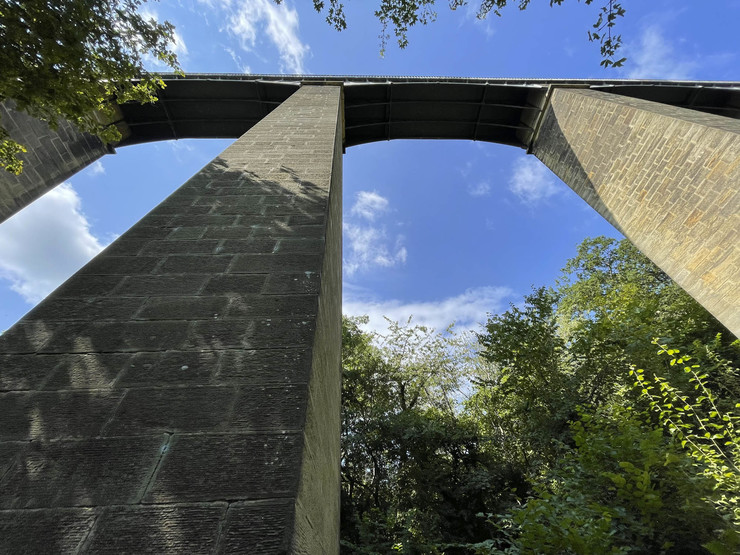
column 597, row 417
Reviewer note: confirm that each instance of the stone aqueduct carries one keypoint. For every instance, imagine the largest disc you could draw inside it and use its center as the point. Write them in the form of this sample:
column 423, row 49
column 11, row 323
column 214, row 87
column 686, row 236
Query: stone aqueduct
column 181, row 392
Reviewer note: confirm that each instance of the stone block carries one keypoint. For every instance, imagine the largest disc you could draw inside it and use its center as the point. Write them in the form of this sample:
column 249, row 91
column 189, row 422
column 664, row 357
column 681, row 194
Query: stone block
column 171, row 368
column 164, row 529
column 269, row 408
column 124, row 265
column 214, row 467
column 250, row 334
column 235, row 284
column 306, row 283
column 26, row 371
column 86, row 371
column 58, row 531
column 235, row 246
column 173, row 409
column 91, row 286
column 257, row 366
column 183, row 308
column 63, row 309
column 258, row 527
column 146, row 286
column 278, row 306
column 89, row 472
column 183, row 264
column 275, row 263
column 200, row 246
column 52, row 414
column 118, row 337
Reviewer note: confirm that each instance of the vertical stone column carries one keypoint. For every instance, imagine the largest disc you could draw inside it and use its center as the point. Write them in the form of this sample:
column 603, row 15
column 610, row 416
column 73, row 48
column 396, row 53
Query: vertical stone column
column 52, row 157
column 181, row 392
column 668, row 178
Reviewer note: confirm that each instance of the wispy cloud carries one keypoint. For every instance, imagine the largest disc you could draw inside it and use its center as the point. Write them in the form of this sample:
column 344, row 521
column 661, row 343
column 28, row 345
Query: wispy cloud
column 368, row 244
column 467, row 310
column 96, row 169
column 656, row 57
column 249, row 21
column 369, row 204
column 367, row 247
column 45, row 243
column 531, row 181
column 481, row 189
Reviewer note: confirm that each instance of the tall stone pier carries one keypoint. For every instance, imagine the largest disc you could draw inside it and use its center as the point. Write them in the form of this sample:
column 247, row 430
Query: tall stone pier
column 181, row 393
column 668, row 178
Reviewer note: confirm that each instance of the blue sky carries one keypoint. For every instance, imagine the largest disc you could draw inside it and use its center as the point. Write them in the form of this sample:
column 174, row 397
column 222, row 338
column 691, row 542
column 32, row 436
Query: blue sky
column 441, row 230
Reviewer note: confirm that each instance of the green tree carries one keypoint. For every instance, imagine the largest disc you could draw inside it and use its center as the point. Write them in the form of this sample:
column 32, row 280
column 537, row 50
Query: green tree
column 71, row 59
column 414, row 474
column 398, row 16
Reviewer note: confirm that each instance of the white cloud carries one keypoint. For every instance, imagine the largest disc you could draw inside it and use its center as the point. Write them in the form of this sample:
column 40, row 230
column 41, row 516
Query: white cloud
column 482, row 189
column 367, row 247
column 96, row 169
column 247, row 20
column 655, row 57
column 45, row 243
column 369, row 204
column 531, row 181
column 467, row 310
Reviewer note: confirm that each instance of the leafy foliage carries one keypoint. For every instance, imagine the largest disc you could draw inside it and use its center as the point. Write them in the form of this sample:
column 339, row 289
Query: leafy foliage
column 401, row 15
column 547, row 440
column 68, row 59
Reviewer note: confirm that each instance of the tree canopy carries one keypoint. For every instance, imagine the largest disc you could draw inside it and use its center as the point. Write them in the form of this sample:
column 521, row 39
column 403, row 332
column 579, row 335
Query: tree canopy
column 399, row 16
column 68, row 59
column 599, row 416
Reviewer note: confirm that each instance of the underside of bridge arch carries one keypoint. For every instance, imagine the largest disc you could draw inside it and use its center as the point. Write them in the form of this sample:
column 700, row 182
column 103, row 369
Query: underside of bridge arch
column 183, row 388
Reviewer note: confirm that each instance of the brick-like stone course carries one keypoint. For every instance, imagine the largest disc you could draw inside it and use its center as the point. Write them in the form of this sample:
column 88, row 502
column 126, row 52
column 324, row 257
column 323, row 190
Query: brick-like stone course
column 165, row 398
column 668, row 178
column 52, row 157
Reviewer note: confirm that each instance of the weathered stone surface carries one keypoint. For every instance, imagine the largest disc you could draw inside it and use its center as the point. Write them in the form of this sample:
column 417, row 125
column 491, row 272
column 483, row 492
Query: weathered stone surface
column 261, row 525
column 90, row 472
column 175, row 367
column 21, row 372
column 86, row 371
column 58, row 531
column 173, row 409
column 101, row 337
column 306, row 283
column 53, row 157
column 195, row 264
column 124, row 265
column 51, row 414
column 118, row 308
column 183, row 308
column 26, row 337
column 145, row 286
column 278, row 306
column 240, row 284
column 250, row 334
column 269, row 408
column 262, row 263
column 168, row 529
column 266, row 365
column 214, row 467
column 170, row 368
column 667, row 177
